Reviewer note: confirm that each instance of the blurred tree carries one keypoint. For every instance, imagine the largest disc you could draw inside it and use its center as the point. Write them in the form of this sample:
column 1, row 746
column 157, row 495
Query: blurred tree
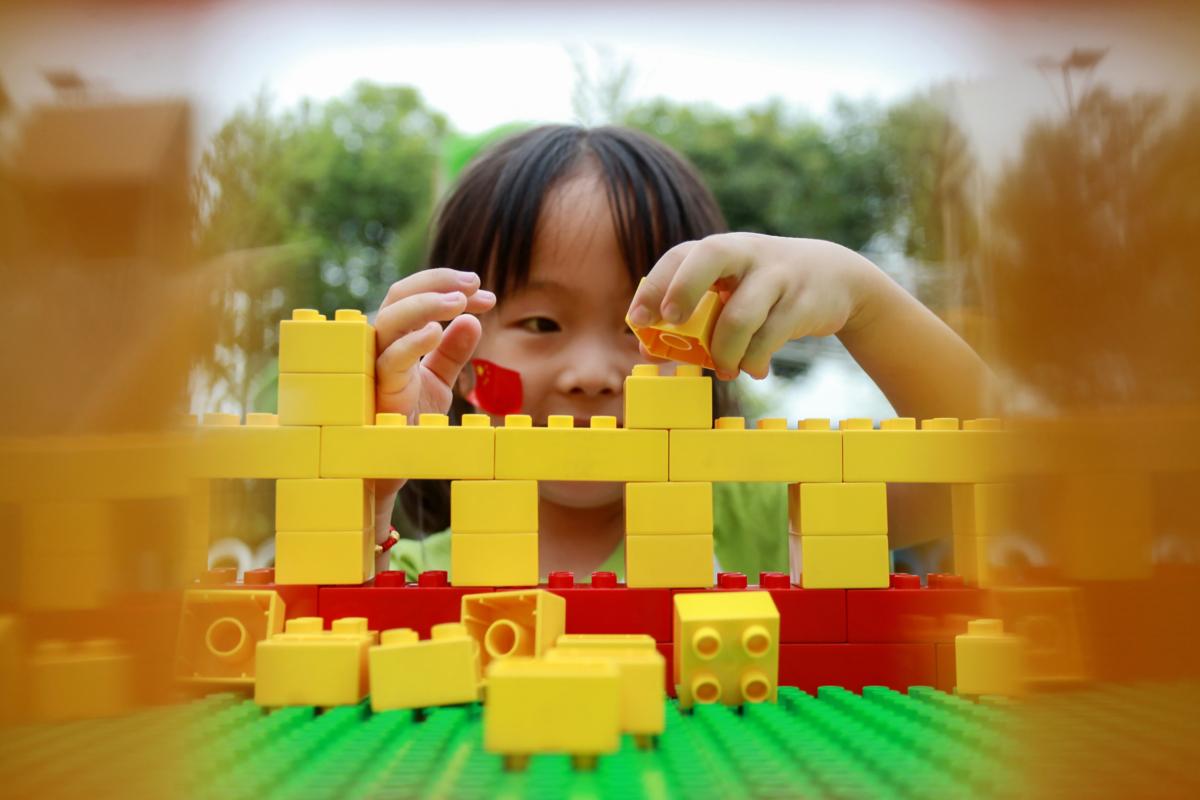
column 1094, row 254
column 321, row 206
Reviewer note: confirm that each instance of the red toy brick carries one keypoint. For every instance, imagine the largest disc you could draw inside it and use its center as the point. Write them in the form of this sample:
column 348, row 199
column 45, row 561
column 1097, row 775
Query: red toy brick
column 854, row 666
column 299, row 600
column 605, row 606
column 906, row 612
column 945, row 666
column 731, row 580
column 387, row 603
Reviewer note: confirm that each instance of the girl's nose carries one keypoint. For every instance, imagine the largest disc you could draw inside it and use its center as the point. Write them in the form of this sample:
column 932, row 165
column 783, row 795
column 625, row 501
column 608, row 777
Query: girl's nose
column 591, row 369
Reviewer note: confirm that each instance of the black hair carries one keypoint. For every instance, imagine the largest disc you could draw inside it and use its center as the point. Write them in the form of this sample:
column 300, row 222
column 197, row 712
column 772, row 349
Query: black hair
column 488, row 224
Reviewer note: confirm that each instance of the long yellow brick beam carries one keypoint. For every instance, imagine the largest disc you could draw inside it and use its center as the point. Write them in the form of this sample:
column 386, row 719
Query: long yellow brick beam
column 602, row 452
column 770, row 453
column 392, row 448
column 262, row 448
column 937, row 453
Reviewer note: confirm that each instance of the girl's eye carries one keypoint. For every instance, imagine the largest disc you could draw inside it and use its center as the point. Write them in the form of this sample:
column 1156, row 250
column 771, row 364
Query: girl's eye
column 539, row 325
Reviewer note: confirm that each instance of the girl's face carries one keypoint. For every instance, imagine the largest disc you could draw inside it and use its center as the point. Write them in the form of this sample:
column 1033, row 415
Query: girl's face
column 565, row 330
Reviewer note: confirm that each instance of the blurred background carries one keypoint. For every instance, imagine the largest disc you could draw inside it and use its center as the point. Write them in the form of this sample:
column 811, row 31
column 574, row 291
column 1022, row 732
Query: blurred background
column 175, row 178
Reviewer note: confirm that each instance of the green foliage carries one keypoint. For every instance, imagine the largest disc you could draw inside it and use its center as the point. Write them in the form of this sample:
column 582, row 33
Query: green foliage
column 868, row 171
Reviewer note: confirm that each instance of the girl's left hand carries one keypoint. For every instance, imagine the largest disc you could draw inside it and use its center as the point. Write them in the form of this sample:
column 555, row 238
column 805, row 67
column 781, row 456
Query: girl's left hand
column 776, row 289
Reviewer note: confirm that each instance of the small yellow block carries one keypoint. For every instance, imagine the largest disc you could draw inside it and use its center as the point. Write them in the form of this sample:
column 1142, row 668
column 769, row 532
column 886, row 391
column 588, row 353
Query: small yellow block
column 257, row 451
column 219, row 630
column 642, row 673
column 844, row 562
column 307, row 666
column 670, row 508
column 310, row 343
column 816, row 509
column 579, row 454
column 326, row 399
column 518, row 623
column 682, row 560
column 324, row 504
column 79, row 680
column 441, row 670
column 424, row 451
column 682, row 400
column 732, row 454
column 726, row 648
column 935, row 454
column 330, row 557
column 493, row 559
column 536, row 706
column 989, row 661
column 493, row 507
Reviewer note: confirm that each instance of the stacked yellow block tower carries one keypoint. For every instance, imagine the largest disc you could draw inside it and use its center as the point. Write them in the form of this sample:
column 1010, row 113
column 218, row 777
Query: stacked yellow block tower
column 668, row 526
column 325, row 529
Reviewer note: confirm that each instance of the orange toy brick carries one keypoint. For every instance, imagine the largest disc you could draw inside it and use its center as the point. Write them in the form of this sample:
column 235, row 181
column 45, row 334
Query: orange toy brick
column 689, row 341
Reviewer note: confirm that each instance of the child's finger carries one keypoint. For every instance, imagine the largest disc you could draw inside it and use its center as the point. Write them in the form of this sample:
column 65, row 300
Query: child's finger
column 409, row 313
column 645, row 307
column 441, row 279
column 772, row 335
column 452, row 353
column 710, row 260
column 393, row 369
column 480, row 301
column 746, row 311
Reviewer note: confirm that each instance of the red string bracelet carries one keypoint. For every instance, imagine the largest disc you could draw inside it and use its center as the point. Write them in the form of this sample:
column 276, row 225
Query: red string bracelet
column 393, row 537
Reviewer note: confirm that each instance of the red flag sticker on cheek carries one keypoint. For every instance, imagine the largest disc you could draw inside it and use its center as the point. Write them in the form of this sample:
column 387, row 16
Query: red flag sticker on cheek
column 497, row 390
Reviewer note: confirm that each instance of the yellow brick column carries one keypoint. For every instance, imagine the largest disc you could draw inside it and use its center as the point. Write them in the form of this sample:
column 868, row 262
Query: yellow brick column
column 668, row 534
column 839, row 530
column 493, row 533
column 324, row 530
column 982, row 514
column 325, row 527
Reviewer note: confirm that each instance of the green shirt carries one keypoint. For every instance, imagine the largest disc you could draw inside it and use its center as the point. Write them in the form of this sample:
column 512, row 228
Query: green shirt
column 749, row 535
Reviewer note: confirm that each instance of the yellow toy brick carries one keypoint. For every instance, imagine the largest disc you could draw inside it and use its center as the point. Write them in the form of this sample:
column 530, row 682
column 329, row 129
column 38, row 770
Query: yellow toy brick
column 668, row 508
column 682, row 400
column 394, row 449
column 96, row 532
column 605, row 641
column 310, row 343
column 677, row 561
column 329, row 557
column 262, row 448
column 726, row 648
column 510, row 624
column 324, row 504
column 561, row 452
column 689, row 341
column 493, row 507
column 988, row 660
column 731, row 453
column 982, row 509
column 308, row 666
column 493, row 559
column 326, row 399
column 841, row 509
column 536, row 706
column 219, row 631
column 79, row 680
column 936, row 454
column 642, row 674
column 844, row 562
column 442, row 670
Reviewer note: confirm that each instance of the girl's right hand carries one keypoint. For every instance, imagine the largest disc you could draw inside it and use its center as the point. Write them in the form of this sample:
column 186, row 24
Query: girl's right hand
column 418, row 361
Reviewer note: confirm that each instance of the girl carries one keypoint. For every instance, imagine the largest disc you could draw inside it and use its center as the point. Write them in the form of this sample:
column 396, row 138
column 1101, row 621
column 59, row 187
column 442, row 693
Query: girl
column 536, row 254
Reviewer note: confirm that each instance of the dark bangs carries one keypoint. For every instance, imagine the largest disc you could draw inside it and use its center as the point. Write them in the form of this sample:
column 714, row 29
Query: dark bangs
column 488, row 223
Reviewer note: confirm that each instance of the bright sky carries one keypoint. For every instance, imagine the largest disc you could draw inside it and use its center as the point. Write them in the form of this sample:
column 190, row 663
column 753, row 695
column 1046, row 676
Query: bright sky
column 487, row 63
